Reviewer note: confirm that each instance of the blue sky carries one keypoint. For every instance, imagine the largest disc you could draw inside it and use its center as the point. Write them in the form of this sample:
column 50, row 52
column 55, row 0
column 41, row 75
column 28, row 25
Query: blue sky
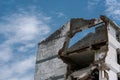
column 24, row 23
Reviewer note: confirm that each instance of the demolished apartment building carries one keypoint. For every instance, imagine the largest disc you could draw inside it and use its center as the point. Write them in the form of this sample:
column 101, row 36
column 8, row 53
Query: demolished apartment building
column 94, row 57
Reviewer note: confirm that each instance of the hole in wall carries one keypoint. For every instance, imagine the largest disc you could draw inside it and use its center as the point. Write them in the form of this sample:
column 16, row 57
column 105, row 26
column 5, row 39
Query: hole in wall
column 80, row 35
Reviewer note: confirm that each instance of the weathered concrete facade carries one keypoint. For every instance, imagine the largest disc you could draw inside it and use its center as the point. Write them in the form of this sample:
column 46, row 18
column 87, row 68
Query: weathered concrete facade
column 95, row 57
column 48, row 66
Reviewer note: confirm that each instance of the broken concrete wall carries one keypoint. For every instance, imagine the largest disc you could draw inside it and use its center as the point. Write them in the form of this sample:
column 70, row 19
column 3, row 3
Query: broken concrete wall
column 48, row 65
column 91, row 38
column 111, row 59
column 101, row 44
column 82, row 52
column 89, row 45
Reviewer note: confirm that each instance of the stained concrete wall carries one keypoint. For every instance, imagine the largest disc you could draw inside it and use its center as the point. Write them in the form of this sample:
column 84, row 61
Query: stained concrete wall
column 111, row 58
column 48, row 65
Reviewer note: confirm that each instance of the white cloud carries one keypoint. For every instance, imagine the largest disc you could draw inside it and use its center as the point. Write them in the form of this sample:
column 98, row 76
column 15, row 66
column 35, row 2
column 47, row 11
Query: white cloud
column 23, row 28
column 60, row 14
column 24, row 65
column 17, row 69
column 22, row 32
column 92, row 3
column 26, row 47
column 5, row 53
column 113, row 9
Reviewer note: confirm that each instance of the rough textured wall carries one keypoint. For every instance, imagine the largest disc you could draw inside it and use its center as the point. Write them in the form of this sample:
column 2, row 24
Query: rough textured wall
column 48, row 65
column 111, row 58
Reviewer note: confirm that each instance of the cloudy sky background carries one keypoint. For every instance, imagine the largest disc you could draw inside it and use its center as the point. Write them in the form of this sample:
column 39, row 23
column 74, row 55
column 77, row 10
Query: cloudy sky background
column 24, row 23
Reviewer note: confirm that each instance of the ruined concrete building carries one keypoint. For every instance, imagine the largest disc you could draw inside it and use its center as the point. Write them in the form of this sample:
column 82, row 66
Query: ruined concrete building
column 96, row 56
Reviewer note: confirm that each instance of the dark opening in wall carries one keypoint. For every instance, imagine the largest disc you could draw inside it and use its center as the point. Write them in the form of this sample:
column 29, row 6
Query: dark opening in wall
column 118, row 76
column 118, row 36
column 95, row 74
column 118, row 56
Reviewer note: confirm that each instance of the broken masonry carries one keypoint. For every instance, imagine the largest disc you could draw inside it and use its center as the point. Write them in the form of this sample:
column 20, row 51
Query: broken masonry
column 94, row 57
